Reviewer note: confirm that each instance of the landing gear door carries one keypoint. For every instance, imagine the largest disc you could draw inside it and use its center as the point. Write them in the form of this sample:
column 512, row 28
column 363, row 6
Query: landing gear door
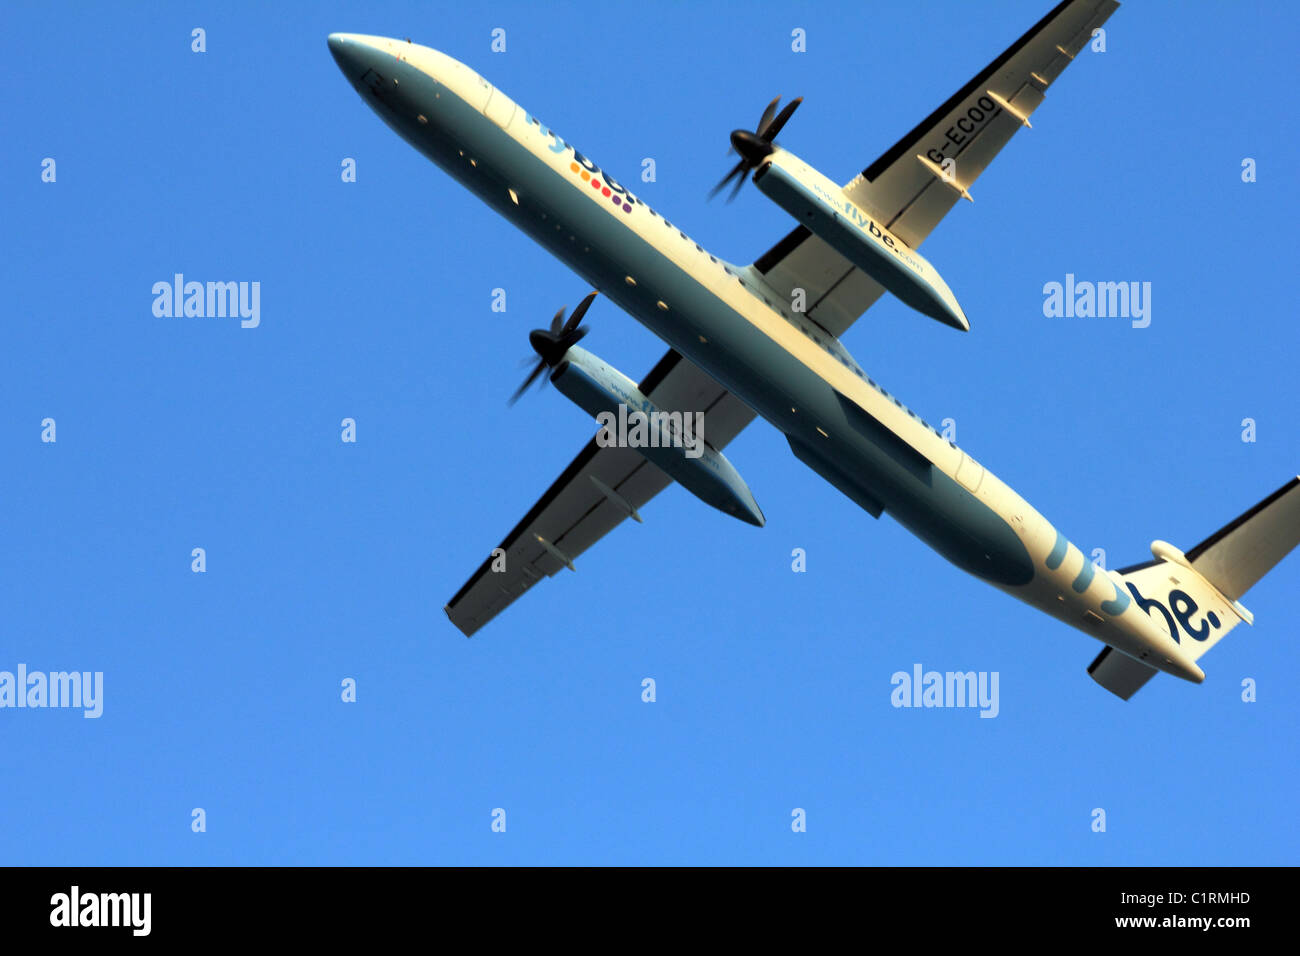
column 376, row 83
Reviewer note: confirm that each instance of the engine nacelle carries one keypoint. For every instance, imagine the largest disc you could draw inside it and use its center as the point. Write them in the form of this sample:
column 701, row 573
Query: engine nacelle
column 671, row 440
column 823, row 207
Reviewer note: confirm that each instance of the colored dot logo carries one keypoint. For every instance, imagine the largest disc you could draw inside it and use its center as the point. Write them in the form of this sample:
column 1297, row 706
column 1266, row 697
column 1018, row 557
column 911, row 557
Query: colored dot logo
column 600, row 187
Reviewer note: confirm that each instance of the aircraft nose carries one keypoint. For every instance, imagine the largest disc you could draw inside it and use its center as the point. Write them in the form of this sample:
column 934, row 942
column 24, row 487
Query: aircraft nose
column 348, row 50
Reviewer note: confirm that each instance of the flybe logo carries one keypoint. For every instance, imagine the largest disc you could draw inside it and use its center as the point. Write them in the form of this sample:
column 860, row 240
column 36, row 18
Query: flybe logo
column 1180, row 611
column 865, row 223
column 601, row 183
column 855, row 215
column 1181, row 608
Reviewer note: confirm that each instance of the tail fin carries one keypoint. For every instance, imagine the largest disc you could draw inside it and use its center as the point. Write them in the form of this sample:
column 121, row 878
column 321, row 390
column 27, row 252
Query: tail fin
column 1196, row 595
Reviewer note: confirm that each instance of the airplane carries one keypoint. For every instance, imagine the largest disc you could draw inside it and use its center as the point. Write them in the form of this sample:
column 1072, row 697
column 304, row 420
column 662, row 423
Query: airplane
column 763, row 339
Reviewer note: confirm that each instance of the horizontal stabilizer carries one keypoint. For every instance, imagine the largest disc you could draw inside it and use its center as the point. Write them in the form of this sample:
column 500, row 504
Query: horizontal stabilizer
column 1244, row 550
column 1120, row 674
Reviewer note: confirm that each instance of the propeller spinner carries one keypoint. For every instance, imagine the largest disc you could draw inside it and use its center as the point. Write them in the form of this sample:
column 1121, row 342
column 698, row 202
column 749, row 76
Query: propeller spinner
column 756, row 146
column 551, row 344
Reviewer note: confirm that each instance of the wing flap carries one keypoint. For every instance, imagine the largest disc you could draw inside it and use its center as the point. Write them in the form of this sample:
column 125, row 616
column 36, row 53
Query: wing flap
column 836, row 293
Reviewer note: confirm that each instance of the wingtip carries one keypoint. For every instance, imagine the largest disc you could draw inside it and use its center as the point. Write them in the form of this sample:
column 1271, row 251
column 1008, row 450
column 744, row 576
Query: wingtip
column 446, row 608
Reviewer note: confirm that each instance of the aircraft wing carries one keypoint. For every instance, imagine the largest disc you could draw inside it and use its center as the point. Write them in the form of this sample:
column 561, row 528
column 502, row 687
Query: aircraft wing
column 576, row 512
column 907, row 189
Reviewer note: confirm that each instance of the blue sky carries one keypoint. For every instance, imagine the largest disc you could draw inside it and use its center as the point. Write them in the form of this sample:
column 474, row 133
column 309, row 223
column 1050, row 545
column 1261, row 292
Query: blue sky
column 328, row 561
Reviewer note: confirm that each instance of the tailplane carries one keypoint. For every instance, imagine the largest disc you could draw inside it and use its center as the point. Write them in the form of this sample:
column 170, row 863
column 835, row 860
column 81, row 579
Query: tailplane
column 1196, row 595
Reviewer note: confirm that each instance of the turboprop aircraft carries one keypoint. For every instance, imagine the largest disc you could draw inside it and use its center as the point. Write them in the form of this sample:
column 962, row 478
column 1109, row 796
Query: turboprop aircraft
column 764, row 339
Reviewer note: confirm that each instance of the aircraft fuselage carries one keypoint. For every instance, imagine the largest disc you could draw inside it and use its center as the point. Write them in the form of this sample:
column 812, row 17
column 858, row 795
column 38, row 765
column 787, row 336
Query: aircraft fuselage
column 726, row 320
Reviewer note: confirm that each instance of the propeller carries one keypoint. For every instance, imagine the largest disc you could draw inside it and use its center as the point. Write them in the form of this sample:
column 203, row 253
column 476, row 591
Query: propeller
column 551, row 344
column 755, row 147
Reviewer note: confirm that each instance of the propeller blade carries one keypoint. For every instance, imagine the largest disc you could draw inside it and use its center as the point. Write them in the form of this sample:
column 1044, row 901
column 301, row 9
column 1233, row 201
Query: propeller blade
column 735, row 170
column 778, row 124
column 578, row 313
column 558, row 320
column 766, row 117
column 538, row 369
column 736, row 189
